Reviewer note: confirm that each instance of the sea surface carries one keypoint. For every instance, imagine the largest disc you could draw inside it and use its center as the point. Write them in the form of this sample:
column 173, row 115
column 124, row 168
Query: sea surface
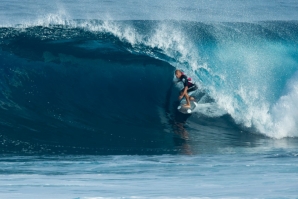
column 88, row 99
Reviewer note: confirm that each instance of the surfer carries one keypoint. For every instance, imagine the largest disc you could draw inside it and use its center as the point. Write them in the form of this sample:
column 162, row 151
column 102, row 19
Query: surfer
column 188, row 87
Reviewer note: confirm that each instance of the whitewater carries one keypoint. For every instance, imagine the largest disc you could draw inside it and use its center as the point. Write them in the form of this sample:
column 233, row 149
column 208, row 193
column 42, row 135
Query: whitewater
column 88, row 101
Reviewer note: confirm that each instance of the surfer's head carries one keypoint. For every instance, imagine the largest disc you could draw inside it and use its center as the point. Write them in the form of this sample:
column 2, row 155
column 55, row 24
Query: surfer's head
column 178, row 73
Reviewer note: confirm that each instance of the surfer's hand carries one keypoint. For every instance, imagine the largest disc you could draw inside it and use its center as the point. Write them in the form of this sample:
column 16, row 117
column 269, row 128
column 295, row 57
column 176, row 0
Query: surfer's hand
column 180, row 97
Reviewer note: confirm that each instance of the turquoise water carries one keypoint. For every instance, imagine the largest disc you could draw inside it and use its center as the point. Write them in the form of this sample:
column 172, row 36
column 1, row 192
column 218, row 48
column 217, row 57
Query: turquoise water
column 266, row 175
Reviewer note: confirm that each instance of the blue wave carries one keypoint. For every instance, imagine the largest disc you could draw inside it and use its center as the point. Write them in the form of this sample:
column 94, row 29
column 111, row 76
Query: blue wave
column 88, row 86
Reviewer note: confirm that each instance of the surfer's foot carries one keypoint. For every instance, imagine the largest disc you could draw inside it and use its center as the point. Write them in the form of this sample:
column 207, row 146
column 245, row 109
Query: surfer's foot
column 191, row 99
column 186, row 106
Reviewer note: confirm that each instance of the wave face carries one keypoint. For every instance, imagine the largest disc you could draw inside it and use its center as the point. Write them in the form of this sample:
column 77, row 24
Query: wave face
column 95, row 86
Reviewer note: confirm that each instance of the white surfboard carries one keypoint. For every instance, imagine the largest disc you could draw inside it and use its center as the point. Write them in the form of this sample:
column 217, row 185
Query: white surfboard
column 185, row 110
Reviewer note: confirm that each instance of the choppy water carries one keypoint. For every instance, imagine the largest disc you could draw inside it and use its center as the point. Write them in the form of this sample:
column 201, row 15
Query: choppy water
column 206, row 176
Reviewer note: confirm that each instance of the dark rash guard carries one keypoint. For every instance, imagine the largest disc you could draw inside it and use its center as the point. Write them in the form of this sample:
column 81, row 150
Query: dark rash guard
column 186, row 81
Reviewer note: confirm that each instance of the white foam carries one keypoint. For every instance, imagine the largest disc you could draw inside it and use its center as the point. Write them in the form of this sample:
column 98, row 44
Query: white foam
column 209, row 109
column 278, row 121
column 285, row 111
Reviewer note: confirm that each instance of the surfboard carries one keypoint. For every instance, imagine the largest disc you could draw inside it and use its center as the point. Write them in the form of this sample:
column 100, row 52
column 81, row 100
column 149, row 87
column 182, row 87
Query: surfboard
column 184, row 110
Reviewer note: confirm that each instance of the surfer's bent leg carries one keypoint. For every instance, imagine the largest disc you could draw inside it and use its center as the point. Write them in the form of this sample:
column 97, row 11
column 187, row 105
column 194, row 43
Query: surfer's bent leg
column 184, row 93
column 191, row 89
column 187, row 100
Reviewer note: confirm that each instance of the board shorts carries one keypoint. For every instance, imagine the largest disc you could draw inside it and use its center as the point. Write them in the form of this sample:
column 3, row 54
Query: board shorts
column 191, row 89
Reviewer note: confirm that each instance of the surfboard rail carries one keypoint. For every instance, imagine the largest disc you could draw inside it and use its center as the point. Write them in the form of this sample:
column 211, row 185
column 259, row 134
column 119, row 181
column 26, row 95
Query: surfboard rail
column 185, row 110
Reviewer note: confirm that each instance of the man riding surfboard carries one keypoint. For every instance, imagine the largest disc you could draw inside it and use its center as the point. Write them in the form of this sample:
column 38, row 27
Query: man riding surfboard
column 189, row 86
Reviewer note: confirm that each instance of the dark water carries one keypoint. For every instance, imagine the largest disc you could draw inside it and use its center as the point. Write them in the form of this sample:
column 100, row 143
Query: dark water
column 77, row 89
column 60, row 97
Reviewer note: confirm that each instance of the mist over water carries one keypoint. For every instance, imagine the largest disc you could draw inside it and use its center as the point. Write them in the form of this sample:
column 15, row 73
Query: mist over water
column 14, row 12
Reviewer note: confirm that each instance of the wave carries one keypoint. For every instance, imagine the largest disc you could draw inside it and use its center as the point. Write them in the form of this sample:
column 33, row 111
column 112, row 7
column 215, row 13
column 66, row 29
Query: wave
column 66, row 76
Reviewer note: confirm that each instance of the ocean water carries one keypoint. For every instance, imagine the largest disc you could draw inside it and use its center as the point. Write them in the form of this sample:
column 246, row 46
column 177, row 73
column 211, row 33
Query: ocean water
column 88, row 101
